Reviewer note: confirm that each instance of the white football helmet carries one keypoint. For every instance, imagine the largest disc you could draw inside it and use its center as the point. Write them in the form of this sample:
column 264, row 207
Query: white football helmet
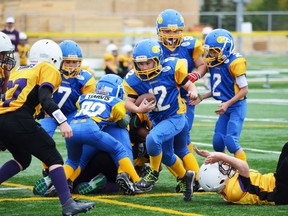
column 22, row 36
column 206, row 30
column 127, row 49
column 7, row 49
column 46, row 50
column 111, row 48
column 211, row 179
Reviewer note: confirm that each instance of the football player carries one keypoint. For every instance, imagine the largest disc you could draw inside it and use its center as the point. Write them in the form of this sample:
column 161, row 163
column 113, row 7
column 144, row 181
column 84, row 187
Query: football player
column 97, row 112
column 30, row 87
column 170, row 28
column 140, row 126
column 236, row 183
column 111, row 63
column 229, row 86
column 7, row 61
column 125, row 60
column 23, row 49
column 163, row 78
column 75, row 82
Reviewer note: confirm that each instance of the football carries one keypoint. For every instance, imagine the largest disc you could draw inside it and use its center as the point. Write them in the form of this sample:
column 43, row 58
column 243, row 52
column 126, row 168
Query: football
column 149, row 97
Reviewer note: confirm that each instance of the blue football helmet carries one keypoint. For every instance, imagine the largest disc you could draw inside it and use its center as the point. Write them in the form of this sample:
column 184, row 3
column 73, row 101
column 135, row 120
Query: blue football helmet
column 71, row 52
column 143, row 51
column 220, row 41
column 110, row 84
column 170, row 28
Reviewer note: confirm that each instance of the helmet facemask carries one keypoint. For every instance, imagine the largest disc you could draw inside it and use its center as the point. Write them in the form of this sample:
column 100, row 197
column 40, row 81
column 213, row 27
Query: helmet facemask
column 171, row 37
column 147, row 74
column 226, row 169
column 8, row 60
column 68, row 70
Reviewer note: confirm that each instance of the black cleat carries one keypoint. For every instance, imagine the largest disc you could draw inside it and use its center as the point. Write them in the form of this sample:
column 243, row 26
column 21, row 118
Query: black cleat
column 185, row 185
column 125, row 184
column 148, row 181
column 51, row 192
column 73, row 207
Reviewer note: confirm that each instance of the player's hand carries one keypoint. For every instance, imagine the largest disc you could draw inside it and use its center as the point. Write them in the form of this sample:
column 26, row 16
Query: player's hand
column 194, row 102
column 147, row 106
column 222, row 108
column 66, row 130
column 194, row 76
column 192, row 95
column 203, row 153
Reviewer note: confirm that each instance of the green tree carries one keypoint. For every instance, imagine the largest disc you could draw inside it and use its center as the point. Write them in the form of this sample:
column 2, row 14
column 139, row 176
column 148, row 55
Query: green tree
column 259, row 22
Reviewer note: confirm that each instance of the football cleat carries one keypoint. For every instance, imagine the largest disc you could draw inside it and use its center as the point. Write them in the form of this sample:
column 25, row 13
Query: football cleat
column 73, row 207
column 147, row 182
column 125, row 185
column 41, row 186
column 196, row 187
column 51, row 192
column 97, row 183
column 185, row 185
column 45, row 172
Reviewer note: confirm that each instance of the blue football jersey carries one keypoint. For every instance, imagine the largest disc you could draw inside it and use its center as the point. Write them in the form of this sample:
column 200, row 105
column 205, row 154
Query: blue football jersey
column 103, row 109
column 164, row 86
column 223, row 77
column 189, row 50
column 71, row 88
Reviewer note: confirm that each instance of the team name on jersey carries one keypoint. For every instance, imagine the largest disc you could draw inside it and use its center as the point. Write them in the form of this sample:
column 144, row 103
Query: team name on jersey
column 99, row 97
column 26, row 67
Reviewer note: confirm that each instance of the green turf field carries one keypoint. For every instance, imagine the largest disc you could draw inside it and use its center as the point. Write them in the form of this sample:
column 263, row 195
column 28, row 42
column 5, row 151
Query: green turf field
column 264, row 133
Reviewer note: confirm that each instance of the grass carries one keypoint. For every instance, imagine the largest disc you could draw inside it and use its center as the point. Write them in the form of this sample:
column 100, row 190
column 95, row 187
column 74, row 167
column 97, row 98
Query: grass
column 265, row 128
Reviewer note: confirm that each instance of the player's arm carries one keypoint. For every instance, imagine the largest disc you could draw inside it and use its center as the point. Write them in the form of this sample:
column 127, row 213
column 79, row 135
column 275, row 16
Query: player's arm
column 198, row 62
column 181, row 78
column 144, row 107
column 120, row 116
column 52, row 109
column 213, row 157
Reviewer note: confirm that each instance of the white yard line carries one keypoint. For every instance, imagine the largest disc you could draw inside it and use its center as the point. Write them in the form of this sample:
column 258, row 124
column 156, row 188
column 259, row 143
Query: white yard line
column 12, row 188
column 248, row 149
column 247, row 119
column 283, row 102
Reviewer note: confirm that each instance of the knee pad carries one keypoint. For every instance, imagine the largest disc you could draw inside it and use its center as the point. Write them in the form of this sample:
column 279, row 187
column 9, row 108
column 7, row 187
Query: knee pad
column 218, row 142
column 231, row 143
column 153, row 148
column 168, row 159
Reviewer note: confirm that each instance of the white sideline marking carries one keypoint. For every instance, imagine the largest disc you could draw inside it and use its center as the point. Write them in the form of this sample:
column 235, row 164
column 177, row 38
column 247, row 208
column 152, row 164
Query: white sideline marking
column 247, row 119
column 283, row 102
column 249, row 149
column 10, row 188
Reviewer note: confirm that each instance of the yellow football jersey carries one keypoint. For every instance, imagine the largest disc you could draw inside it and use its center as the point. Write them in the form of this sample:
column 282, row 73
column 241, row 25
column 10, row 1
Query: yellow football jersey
column 23, row 86
column 126, row 60
column 111, row 59
column 23, row 51
column 259, row 191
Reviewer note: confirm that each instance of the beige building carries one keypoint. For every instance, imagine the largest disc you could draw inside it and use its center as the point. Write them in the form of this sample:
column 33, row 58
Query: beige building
column 92, row 23
column 95, row 23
